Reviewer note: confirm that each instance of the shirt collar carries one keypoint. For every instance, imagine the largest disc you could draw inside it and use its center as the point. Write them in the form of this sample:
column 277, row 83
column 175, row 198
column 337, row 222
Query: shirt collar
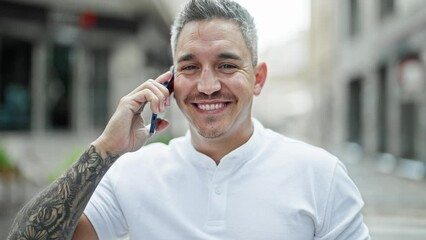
column 238, row 156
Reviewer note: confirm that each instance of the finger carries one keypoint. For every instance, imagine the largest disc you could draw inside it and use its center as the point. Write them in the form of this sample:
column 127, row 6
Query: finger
column 163, row 78
column 141, row 108
column 137, row 101
column 155, row 86
column 147, row 95
column 167, row 101
column 158, row 90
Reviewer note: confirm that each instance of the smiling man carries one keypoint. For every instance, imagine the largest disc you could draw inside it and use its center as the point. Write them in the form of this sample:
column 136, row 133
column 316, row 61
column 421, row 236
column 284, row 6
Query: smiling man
column 215, row 84
column 227, row 178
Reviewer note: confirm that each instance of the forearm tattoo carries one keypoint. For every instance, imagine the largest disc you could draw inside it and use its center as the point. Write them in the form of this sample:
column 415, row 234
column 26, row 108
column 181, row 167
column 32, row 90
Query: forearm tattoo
column 55, row 212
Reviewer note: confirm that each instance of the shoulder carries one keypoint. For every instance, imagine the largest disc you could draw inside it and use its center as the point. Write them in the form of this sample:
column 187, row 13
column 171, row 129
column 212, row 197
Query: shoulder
column 288, row 153
column 299, row 152
column 307, row 164
column 153, row 156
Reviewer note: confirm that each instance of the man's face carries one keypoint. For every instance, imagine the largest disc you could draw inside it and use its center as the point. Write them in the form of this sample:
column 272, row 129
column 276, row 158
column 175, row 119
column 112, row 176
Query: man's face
column 214, row 78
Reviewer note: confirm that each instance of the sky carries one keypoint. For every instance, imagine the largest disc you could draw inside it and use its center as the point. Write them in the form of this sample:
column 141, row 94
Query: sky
column 278, row 20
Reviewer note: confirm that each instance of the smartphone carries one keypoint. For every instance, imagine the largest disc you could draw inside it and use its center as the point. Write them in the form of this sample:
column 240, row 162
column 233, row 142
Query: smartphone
column 169, row 85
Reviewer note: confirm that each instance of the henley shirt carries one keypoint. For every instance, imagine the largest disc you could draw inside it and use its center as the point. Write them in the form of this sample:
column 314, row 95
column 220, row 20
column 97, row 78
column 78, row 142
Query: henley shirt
column 272, row 187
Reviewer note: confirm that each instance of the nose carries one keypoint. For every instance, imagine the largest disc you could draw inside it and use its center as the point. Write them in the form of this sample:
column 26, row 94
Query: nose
column 208, row 82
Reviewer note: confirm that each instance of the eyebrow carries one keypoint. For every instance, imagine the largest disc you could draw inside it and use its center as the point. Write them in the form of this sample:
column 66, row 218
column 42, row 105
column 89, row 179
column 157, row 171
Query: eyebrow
column 229, row 55
column 224, row 55
column 186, row 57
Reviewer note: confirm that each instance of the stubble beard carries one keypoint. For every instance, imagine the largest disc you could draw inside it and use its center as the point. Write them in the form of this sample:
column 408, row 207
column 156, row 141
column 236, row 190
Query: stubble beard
column 211, row 131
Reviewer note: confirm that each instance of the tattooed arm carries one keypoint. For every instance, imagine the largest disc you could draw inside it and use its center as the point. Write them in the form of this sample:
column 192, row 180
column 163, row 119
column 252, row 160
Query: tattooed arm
column 56, row 211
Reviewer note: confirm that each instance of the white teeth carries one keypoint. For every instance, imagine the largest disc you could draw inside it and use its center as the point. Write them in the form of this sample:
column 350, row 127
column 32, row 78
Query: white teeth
column 211, row 107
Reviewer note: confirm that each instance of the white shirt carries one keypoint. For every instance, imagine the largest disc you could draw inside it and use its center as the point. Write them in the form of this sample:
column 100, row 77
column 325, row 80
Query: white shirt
column 272, row 187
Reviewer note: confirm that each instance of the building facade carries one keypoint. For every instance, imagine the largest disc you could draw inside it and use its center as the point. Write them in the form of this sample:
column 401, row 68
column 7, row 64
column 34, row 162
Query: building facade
column 64, row 65
column 368, row 63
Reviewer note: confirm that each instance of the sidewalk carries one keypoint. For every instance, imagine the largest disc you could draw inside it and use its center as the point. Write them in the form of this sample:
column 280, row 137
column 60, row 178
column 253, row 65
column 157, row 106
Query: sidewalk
column 395, row 208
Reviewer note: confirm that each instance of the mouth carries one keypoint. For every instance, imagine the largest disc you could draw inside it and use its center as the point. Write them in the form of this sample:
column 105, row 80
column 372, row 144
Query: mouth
column 210, row 106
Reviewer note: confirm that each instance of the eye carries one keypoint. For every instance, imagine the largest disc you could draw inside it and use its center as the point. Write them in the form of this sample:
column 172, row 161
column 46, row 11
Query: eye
column 189, row 67
column 227, row 66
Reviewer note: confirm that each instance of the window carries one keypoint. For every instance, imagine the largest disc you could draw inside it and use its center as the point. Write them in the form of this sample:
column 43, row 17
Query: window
column 354, row 17
column 408, row 129
column 382, row 109
column 59, row 88
column 387, row 7
column 99, row 89
column 15, row 84
column 354, row 111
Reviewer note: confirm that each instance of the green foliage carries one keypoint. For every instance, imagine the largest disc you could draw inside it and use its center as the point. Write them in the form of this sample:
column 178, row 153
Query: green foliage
column 71, row 158
column 5, row 162
column 162, row 137
column 75, row 155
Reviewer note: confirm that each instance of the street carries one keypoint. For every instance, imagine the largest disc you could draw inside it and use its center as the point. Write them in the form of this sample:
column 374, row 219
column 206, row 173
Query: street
column 395, row 208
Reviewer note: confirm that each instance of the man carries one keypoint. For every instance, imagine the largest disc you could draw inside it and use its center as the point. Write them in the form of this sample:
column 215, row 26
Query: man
column 228, row 178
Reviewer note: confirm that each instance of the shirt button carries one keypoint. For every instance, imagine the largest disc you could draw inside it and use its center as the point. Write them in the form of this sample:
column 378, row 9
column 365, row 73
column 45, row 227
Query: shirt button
column 218, row 190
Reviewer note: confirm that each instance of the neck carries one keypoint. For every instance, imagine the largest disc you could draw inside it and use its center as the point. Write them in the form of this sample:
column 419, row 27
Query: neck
column 216, row 148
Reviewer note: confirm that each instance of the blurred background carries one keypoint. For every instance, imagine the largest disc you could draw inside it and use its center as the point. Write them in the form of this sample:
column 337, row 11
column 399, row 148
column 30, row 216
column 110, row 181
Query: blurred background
column 346, row 75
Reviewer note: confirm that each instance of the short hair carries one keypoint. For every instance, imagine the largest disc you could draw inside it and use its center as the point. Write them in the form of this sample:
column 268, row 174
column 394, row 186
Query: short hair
column 210, row 9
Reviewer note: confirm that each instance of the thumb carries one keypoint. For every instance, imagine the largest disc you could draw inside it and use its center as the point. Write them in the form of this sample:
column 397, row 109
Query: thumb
column 162, row 124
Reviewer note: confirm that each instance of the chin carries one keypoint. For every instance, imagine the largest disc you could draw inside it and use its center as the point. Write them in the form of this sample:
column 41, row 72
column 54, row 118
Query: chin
column 211, row 134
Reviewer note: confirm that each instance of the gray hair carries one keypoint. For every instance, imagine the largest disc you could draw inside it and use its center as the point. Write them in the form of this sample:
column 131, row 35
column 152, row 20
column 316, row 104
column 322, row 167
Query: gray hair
column 209, row 9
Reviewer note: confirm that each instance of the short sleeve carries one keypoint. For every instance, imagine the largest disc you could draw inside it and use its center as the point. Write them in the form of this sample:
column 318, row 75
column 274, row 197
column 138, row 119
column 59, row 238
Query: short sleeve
column 343, row 218
column 104, row 211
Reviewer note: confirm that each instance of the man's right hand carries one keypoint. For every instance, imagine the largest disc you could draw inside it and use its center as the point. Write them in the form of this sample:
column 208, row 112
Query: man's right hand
column 126, row 130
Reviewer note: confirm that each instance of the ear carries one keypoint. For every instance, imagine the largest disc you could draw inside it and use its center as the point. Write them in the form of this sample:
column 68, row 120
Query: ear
column 261, row 72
